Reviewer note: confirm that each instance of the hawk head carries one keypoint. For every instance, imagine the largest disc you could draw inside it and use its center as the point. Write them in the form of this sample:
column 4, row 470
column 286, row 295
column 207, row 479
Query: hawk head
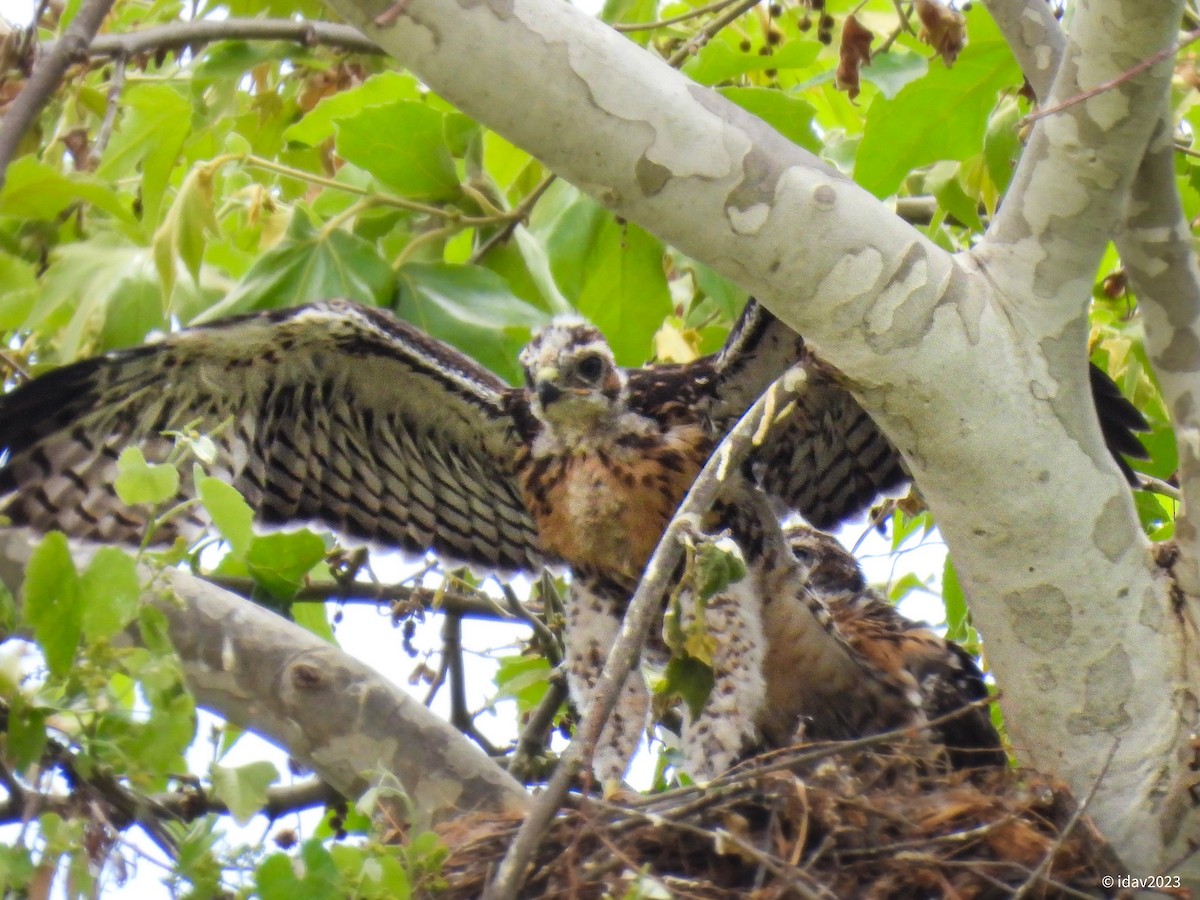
column 572, row 378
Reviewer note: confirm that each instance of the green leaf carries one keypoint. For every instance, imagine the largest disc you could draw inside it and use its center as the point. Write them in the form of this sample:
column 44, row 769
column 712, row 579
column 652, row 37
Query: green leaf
column 313, row 876
column 231, row 515
column 143, row 482
column 719, row 564
column 155, row 120
column 958, row 618
column 306, row 266
column 471, row 308
column 109, row 590
column 891, row 71
column 689, row 678
column 379, row 90
column 525, row 679
column 314, row 618
column 98, row 295
column 25, row 739
column 34, row 190
column 8, row 610
column 18, row 291
column 790, row 116
column 244, row 788
column 279, row 562
column 905, row 585
column 52, row 604
column 943, row 182
column 942, row 116
column 1002, row 142
column 185, row 226
column 16, row 869
column 404, row 146
column 625, row 291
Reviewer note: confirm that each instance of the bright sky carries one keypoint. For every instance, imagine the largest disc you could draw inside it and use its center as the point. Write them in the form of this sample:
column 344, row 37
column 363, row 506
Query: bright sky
column 18, row 12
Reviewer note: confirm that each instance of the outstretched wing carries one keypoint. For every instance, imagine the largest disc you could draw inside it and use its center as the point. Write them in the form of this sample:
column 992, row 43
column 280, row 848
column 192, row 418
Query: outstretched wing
column 332, row 413
column 828, row 460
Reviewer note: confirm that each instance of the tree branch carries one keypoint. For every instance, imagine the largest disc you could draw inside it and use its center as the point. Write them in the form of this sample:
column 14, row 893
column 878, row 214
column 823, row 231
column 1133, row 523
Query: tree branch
column 178, row 35
column 1156, row 246
column 45, row 78
column 401, row 598
column 330, row 711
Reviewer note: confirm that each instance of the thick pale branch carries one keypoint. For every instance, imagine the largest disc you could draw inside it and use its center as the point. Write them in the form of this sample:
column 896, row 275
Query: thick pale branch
column 353, row 727
column 1156, row 245
column 1069, row 190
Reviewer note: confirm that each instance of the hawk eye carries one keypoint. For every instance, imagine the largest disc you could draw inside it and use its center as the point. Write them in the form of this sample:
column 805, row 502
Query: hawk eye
column 591, row 367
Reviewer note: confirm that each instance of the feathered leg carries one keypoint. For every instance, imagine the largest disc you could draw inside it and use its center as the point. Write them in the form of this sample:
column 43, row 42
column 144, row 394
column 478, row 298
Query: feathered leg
column 593, row 621
column 715, row 739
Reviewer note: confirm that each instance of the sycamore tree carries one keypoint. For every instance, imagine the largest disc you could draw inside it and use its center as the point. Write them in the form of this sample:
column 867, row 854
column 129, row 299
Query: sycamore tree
column 955, row 207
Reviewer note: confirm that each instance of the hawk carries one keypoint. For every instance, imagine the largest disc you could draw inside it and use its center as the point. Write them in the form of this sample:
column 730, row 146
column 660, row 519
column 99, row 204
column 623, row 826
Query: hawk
column 343, row 415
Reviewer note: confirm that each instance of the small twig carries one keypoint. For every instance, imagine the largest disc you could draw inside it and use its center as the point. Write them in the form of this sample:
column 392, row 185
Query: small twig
column 115, row 89
column 189, row 805
column 517, row 216
column 706, row 34
column 643, row 609
column 1114, row 82
column 47, row 74
column 673, row 20
column 11, row 361
column 463, row 603
column 1158, row 486
column 535, row 735
column 1052, row 853
column 808, row 888
column 31, row 32
column 452, row 658
column 550, row 645
column 178, row 35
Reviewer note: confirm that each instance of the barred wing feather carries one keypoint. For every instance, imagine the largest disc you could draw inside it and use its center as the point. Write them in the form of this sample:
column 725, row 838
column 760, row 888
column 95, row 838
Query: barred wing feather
column 331, row 413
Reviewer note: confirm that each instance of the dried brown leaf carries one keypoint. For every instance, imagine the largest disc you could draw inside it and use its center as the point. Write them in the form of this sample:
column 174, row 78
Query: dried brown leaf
column 855, row 53
column 942, row 28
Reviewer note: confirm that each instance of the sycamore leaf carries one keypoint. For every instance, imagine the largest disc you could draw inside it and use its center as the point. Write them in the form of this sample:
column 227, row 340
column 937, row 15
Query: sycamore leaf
column 156, row 118
column 309, row 264
column 688, row 678
column 279, row 561
column 404, row 146
column 109, row 590
column 719, row 563
column 471, row 308
column 141, row 482
column 52, row 604
column 231, row 515
column 244, row 788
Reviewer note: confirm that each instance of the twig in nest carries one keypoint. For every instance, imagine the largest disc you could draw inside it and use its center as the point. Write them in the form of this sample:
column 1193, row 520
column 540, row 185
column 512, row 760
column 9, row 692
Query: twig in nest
column 1049, row 857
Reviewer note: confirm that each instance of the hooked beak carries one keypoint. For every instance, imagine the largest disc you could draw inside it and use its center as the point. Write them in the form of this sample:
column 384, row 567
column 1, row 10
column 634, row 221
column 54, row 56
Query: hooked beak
column 548, row 392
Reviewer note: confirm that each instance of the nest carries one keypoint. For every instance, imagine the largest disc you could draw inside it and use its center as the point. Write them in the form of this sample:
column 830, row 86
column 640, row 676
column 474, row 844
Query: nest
column 809, row 822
